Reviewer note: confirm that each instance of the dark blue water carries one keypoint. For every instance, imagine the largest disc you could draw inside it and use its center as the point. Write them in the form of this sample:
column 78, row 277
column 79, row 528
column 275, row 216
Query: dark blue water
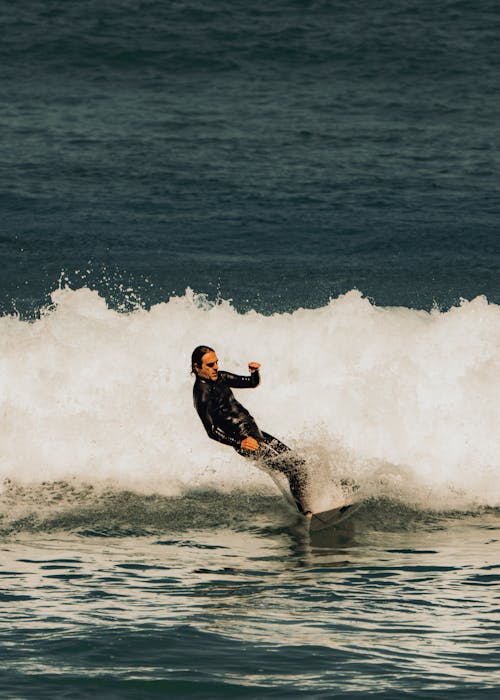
column 278, row 155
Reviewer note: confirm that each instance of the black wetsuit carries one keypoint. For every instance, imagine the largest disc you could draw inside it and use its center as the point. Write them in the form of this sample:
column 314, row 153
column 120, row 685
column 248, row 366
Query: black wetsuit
column 227, row 421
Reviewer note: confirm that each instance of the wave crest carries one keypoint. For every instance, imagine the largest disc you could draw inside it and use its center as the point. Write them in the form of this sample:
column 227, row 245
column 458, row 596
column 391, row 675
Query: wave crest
column 398, row 401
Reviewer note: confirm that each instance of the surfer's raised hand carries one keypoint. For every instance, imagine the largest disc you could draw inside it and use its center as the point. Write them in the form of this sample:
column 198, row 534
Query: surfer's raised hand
column 253, row 366
column 249, row 443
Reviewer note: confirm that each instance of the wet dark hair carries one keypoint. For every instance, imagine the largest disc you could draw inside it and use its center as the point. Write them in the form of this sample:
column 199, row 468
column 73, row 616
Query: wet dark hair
column 197, row 355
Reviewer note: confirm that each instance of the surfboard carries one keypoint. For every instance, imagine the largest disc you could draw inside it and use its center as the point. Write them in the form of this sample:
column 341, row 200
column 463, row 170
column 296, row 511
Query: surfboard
column 334, row 516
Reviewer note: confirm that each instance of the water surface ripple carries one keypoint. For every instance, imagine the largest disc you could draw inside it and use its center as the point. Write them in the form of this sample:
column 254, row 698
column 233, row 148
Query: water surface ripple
column 260, row 610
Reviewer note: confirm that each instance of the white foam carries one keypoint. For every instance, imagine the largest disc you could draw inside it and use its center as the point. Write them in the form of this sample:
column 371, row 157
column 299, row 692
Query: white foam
column 405, row 402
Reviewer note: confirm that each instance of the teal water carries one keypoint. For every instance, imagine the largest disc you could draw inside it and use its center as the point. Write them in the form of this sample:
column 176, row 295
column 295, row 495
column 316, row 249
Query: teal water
column 274, row 154
column 394, row 603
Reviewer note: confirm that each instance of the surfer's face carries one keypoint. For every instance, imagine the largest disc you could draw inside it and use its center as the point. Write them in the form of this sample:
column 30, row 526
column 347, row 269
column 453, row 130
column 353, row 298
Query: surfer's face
column 209, row 367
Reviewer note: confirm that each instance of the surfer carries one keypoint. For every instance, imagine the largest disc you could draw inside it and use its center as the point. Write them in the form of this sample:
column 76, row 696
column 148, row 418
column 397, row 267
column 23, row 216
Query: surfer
column 228, row 422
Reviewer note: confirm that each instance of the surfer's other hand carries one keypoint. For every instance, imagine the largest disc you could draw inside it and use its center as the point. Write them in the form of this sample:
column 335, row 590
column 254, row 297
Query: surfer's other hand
column 253, row 366
column 249, row 443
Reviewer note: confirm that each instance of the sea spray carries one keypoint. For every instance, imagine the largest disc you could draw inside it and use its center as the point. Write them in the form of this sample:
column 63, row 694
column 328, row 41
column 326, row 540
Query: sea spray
column 388, row 402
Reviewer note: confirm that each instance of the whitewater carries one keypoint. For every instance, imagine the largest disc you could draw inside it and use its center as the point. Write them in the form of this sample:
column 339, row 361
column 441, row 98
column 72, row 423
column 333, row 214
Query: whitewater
column 396, row 402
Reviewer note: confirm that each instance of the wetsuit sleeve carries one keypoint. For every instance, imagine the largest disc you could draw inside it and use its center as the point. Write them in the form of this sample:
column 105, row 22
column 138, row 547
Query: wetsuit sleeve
column 236, row 381
column 202, row 405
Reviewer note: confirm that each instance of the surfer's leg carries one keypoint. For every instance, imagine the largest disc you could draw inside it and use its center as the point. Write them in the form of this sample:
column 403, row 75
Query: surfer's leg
column 279, row 457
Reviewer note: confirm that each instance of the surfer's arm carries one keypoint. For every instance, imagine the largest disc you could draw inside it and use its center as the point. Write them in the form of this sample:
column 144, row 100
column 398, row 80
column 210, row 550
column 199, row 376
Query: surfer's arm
column 236, row 381
column 214, row 431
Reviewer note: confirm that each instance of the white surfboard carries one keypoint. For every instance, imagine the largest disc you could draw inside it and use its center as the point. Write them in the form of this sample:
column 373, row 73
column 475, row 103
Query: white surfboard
column 334, row 516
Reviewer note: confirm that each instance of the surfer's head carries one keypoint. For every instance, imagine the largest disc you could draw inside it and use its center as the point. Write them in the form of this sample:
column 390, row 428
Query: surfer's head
column 205, row 363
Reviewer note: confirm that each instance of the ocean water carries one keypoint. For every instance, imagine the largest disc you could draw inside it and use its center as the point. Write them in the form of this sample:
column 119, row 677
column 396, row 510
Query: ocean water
column 311, row 185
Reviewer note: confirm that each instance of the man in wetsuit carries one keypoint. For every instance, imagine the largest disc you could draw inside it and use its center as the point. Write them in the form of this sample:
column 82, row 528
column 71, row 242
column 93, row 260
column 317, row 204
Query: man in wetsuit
column 226, row 421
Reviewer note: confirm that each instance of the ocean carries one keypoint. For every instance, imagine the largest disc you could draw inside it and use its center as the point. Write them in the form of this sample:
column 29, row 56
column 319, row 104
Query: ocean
column 312, row 185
